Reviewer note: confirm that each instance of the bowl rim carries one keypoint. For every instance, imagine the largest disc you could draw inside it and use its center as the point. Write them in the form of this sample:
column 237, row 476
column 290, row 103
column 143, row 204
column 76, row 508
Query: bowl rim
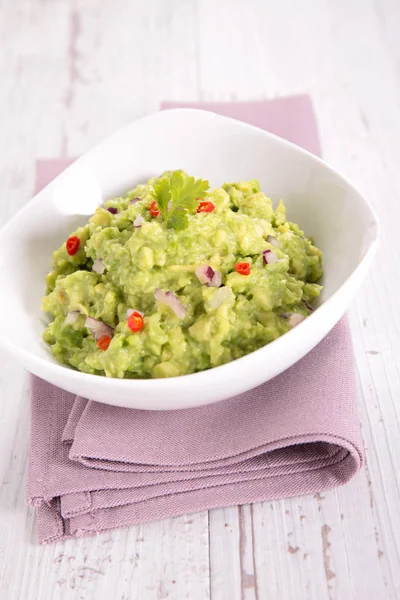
column 163, row 384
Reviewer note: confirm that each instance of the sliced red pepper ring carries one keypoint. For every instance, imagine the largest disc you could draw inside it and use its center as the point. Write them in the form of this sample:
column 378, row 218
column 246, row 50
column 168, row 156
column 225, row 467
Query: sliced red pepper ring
column 205, row 206
column 154, row 210
column 72, row 245
column 103, row 342
column 243, row 268
column 135, row 321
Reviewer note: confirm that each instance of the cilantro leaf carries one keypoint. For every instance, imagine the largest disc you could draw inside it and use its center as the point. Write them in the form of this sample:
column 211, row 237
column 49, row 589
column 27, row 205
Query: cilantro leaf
column 162, row 194
column 177, row 194
column 186, row 190
column 178, row 219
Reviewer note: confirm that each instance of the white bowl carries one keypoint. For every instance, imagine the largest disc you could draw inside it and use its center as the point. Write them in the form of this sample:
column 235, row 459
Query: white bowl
column 219, row 149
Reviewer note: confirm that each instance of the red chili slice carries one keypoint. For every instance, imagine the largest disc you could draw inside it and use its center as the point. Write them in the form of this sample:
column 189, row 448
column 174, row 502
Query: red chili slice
column 154, row 210
column 103, row 342
column 205, row 206
column 72, row 245
column 135, row 321
column 243, row 268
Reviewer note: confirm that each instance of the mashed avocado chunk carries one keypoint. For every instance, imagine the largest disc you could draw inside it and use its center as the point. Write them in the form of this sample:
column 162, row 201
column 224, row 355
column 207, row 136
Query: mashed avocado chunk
column 173, row 278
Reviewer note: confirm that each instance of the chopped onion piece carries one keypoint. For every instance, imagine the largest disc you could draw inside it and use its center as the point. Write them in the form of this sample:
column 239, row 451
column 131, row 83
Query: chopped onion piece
column 172, row 301
column 132, row 310
column 269, row 257
column 308, row 305
column 112, row 210
column 138, row 221
column 134, row 200
column 98, row 328
column 295, row 319
column 204, row 273
column 272, row 240
column 71, row 317
column 216, row 280
column 98, row 266
column 220, row 297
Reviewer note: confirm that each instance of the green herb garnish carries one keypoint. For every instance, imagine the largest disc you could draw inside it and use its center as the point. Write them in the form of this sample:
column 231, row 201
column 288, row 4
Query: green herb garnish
column 176, row 195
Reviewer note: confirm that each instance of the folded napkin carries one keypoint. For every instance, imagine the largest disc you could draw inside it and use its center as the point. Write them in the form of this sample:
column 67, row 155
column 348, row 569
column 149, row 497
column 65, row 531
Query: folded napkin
column 94, row 467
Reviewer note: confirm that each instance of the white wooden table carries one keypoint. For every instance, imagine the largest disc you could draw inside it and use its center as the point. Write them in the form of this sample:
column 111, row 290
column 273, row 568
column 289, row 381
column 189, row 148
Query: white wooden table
column 71, row 72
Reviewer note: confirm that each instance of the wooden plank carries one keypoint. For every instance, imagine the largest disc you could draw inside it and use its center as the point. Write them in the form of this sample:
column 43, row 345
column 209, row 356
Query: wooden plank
column 231, row 554
column 156, row 560
column 127, row 57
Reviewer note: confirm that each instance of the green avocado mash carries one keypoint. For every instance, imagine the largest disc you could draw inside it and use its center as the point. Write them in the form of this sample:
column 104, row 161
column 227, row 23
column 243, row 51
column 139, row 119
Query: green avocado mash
column 210, row 276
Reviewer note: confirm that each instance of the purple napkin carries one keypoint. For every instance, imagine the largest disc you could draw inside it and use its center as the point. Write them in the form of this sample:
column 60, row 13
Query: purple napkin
column 94, row 467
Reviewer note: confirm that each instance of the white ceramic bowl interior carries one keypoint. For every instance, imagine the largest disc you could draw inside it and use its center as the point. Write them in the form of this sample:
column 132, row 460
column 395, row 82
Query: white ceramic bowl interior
column 216, row 148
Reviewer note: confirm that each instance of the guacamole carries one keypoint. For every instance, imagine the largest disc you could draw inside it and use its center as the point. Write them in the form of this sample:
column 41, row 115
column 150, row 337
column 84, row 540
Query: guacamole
column 173, row 278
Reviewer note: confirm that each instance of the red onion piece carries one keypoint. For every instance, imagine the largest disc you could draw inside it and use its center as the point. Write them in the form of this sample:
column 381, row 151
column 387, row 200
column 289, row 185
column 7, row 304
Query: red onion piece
column 138, row 221
column 112, row 210
column 98, row 266
column 172, row 301
column 134, row 200
column 204, row 273
column 308, row 305
column 295, row 319
column 269, row 257
column 71, row 317
column 216, row 280
column 220, row 297
column 98, row 328
column 285, row 315
column 272, row 240
column 132, row 310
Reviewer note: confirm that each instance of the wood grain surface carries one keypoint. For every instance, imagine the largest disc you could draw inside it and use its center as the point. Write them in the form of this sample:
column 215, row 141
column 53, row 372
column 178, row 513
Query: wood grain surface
column 71, row 72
